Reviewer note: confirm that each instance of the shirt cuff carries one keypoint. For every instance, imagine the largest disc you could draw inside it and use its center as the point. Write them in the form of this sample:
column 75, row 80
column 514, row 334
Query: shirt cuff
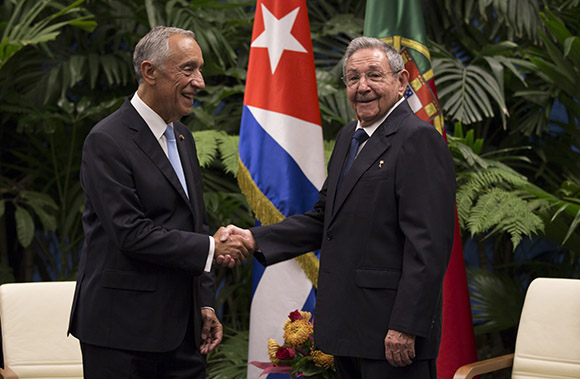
column 210, row 254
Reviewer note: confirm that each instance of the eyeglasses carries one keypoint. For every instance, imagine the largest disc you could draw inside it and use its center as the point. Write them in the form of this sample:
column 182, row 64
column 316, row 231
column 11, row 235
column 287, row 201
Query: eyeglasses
column 375, row 76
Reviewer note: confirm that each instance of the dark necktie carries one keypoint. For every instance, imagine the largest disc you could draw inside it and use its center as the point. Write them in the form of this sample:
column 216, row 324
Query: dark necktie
column 359, row 137
column 173, row 156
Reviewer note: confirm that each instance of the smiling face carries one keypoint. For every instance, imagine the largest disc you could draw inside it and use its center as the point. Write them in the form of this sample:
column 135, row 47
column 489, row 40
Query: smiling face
column 170, row 88
column 372, row 100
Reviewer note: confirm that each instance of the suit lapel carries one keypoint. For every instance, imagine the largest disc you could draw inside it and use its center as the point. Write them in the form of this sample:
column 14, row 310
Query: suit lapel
column 185, row 155
column 373, row 149
column 339, row 153
column 150, row 146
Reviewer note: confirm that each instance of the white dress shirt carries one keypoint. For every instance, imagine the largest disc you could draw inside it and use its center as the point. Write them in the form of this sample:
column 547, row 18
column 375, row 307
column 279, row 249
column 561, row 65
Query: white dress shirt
column 374, row 126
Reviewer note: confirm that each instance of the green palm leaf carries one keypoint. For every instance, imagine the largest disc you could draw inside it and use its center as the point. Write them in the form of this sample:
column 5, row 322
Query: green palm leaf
column 497, row 301
column 467, row 92
column 24, row 226
column 206, row 142
column 230, row 358
column 25, row 26
column 228, row 148
column 503, row 211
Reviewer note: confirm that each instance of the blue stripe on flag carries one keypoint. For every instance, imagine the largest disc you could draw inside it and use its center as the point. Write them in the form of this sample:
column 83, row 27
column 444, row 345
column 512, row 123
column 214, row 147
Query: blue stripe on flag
column 274, row 171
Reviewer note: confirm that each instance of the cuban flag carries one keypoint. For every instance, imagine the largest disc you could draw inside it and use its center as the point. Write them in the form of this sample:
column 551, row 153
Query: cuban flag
column 281, row 159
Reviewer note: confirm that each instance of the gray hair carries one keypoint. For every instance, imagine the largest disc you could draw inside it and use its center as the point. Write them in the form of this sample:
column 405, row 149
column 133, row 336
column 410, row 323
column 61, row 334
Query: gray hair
column 395, row 59
column 154, row 47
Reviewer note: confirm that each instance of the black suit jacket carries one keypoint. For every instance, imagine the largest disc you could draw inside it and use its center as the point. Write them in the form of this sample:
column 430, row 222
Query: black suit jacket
column 385, row 239
column 141, row 279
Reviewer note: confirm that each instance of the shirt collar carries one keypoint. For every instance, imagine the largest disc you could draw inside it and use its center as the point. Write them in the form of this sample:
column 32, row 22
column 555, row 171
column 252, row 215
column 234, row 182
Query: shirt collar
column 152, row 119
column 374, row 126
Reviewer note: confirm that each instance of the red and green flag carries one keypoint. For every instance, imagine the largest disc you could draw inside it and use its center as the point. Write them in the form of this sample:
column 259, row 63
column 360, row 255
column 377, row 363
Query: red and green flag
column 400, row 23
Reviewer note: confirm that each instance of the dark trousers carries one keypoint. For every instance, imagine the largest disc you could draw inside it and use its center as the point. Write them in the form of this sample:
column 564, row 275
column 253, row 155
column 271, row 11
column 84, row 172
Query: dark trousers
column 185, row 362
column 360, row 368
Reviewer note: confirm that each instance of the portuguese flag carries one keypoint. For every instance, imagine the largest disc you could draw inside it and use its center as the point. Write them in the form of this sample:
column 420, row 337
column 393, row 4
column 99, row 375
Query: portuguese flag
column 400, row 23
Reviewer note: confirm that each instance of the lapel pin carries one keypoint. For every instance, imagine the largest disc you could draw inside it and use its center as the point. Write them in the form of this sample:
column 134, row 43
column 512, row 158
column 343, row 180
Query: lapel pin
column 381, row 162
column 181, row 137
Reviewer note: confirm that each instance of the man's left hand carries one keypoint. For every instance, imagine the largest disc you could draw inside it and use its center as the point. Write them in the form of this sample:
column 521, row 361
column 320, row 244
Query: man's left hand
column 399, row 348
column 211, row 331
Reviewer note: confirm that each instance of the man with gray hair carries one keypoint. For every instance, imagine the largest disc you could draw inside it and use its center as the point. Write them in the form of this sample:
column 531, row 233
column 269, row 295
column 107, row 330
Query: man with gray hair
column 384, row 223
column 143, row 305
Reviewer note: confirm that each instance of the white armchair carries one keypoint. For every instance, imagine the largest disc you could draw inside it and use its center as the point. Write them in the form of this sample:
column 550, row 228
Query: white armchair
column 34, row 319
column 548, row 339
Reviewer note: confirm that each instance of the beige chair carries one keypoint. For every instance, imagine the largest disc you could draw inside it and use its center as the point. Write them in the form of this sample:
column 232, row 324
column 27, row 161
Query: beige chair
column 34, row 319
column 548, row 339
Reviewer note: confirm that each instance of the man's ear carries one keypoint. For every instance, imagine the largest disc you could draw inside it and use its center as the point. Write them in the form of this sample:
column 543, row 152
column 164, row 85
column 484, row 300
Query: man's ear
column 149, row 72
column 403, row 80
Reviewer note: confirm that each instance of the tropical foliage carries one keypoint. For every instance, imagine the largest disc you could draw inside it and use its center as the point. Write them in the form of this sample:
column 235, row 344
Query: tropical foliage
column 508, row 77
column 517, row 165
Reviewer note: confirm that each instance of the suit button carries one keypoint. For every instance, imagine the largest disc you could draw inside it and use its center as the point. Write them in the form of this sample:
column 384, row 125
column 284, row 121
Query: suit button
column 329, row 236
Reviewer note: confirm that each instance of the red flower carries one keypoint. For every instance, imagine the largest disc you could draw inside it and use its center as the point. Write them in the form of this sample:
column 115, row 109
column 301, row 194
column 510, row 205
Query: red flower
column 285, row 354
column 295, row 315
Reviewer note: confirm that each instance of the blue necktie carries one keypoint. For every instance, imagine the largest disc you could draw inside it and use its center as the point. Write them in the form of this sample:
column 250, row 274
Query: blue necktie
column 173, row 155
column 359, row 137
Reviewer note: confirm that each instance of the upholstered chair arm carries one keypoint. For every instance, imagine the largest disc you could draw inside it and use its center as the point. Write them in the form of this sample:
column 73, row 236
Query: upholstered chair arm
column 483, row 367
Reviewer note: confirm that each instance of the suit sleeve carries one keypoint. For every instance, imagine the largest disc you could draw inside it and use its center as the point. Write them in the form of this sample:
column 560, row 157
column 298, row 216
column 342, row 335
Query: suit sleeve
column 207, row 292
column 425, row 190
column 207, row 279
column 296, row 235
column 107, row 179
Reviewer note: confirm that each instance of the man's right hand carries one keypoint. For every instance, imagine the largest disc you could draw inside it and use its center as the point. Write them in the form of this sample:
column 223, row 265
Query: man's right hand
column 232, row 230
column 231, row 249
column 399, row 348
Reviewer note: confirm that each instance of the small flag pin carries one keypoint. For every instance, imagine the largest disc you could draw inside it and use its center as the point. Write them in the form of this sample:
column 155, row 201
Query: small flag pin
column 381, row 162
column 181, row 137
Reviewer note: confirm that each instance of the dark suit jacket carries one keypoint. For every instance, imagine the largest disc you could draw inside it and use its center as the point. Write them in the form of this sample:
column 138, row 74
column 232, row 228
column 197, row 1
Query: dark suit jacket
column 385, row 240
column 140, row 278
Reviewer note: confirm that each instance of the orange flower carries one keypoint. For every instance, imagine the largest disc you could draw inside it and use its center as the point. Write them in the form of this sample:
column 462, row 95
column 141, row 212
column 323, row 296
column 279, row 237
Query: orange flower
column 297, row 354
column 291, row 318
column 272, row 349
column 297, row 333
column 321, row 359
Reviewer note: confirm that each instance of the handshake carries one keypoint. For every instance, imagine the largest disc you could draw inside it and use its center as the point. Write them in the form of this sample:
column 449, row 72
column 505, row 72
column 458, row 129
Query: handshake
column 233, row 245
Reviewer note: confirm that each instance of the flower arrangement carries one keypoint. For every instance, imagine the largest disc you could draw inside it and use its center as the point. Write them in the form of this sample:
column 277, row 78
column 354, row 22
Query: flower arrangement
column 297, row 356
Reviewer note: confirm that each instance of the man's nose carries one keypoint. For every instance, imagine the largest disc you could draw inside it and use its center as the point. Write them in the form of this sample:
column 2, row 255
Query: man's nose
column 197, row 81
column 363, row 84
